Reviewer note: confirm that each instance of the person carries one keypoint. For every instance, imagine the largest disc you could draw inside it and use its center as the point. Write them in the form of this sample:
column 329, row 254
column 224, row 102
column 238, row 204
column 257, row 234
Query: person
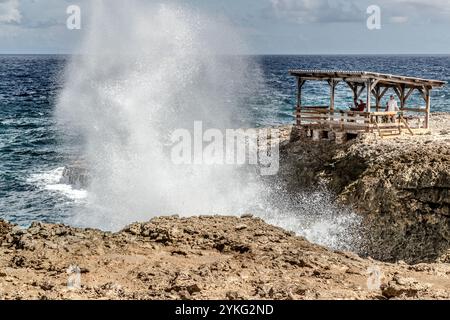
column 361, row 106
column 392, row 105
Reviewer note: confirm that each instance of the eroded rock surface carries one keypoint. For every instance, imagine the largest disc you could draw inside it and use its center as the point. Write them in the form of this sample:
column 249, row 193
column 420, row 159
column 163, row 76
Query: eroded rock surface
column 76, row 174
column 401, row 186
column 198, row 258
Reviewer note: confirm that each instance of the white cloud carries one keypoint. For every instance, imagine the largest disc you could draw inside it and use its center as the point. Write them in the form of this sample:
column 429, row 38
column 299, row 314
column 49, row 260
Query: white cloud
column 310, row 11
column 327, row 11
column 440, row 5
column 418, row 12
column 9, row 11
column 398, row 19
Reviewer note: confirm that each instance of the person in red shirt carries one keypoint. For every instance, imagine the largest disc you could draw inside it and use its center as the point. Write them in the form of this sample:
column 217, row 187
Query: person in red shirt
column 361, row 106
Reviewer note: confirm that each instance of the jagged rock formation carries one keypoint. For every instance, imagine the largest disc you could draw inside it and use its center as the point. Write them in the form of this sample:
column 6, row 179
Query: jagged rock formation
column 401, row 186
column 198, row 258
column 76, row 174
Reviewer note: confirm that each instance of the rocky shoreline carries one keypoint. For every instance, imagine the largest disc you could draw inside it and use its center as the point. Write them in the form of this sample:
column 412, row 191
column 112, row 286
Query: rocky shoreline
column 199, row 258
column 401, row 188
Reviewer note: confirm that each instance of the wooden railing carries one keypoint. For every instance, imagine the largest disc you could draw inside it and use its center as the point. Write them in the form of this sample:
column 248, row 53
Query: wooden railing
column 353, row 120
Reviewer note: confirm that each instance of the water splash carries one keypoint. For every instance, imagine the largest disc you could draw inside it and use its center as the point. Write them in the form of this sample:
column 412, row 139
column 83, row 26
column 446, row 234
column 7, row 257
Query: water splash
column 313, row 215
column 51, row 181
column 139, row 79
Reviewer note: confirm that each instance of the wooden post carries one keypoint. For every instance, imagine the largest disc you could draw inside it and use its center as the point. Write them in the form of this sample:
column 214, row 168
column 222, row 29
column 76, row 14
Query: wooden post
column 408, row 94
column 300, row 83
column 332, row 84
column 428, row 107
column 383, row 93
column 369, row 94
column 402, row 97
column 359, row 93
column 378, row 98
column 355, row 92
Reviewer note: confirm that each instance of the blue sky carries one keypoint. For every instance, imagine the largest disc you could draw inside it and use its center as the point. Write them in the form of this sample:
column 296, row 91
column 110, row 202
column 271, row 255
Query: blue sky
column 266, row 26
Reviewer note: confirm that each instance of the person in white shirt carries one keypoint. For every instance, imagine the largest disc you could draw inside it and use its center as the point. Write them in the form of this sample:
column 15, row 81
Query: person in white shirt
column 392, row 105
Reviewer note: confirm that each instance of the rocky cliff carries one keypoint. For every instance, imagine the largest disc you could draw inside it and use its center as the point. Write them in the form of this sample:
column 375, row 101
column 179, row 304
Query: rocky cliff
column 401, row 186
column 198, row 258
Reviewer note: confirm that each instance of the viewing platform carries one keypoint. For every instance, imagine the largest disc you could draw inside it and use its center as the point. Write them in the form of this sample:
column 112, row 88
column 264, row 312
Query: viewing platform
column 329, row 122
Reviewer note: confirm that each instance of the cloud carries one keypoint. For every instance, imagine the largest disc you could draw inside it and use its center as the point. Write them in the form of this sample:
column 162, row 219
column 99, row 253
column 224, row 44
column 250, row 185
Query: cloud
column 332, row 11
column 312, row 11
column 442, row 6
column 416, row 10
column 9, row 11
column 398, row 19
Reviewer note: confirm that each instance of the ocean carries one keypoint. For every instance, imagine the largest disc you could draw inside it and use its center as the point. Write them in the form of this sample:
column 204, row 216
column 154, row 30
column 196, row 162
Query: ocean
column 34, row 150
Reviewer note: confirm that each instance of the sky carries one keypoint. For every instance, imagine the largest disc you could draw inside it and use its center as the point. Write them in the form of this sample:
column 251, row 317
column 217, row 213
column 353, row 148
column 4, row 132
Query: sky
column 266, row 26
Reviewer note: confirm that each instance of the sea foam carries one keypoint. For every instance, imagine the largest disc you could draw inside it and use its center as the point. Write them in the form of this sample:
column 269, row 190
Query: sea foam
column 51, row 180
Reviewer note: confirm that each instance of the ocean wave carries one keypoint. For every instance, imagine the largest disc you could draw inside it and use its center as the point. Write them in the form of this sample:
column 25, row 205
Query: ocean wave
column 51, row 181
column 68, row 191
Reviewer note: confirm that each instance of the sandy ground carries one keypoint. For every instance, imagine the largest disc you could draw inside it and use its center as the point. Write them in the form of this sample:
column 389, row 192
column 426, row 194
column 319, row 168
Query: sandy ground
column 199, row 258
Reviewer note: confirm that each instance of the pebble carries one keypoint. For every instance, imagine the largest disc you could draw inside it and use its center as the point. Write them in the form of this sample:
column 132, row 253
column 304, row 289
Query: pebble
column 241, row 227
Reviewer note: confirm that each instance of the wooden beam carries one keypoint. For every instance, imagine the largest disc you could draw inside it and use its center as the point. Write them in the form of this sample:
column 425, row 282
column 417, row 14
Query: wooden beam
column 384, row 79
column 377, row 97
column 351, row 85
column 300, row 83
column 408, row 94
column 402, row 97
column 422, row 92
column 369, row 93
column 397, row 92
column 428, row 107
column 374, row 84
column 415, row 110
column 333, row 83
column 405, row 123
column 408, row 83
column 358, row 94
column 383, row 92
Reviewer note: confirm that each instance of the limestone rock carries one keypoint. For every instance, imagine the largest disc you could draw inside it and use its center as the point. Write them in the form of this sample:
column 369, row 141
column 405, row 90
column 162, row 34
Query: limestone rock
column 165, row 259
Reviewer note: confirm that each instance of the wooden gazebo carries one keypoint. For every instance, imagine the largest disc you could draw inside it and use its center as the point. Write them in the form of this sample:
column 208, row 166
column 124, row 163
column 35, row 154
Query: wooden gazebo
column 373, row 119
